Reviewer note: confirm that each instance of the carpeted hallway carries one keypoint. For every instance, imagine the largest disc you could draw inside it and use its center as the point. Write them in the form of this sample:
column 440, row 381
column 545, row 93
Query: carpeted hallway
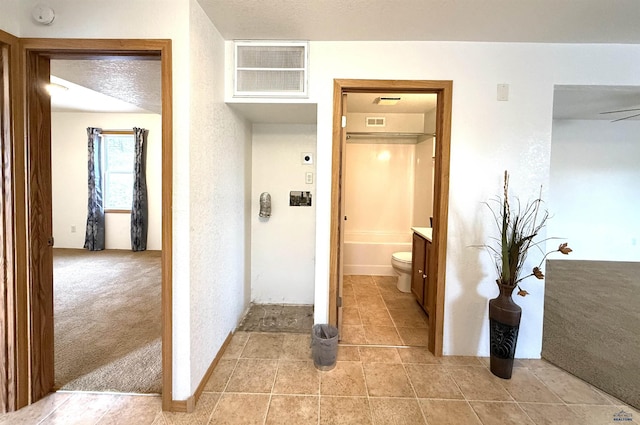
column 592, row 323
column 107, row 318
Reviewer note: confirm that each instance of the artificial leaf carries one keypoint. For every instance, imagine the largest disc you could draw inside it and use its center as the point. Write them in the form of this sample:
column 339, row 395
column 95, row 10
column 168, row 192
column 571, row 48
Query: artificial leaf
column 563, row 248
column 538, row 273
column 523, row 293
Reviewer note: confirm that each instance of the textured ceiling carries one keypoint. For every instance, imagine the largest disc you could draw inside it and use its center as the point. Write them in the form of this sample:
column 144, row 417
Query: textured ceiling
column 137, row 82
column 551, row 21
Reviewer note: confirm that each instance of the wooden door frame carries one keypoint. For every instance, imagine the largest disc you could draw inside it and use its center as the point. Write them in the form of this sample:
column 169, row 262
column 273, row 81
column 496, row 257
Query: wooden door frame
column 14, row 364
column 443, row 89
column 89, row 49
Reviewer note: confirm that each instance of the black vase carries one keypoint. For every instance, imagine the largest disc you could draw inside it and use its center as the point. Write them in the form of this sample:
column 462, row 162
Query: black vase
column 504, row 323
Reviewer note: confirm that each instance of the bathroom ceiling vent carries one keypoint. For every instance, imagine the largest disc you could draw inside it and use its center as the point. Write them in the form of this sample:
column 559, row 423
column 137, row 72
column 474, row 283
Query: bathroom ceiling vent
column 376, row 122
column 270, row 69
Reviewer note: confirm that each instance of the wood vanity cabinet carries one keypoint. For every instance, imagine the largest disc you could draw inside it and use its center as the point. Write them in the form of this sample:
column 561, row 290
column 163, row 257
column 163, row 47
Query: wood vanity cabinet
column 419, row 272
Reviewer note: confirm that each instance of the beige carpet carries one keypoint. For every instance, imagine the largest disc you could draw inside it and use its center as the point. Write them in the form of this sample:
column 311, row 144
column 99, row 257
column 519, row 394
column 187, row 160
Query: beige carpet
column 592, row 324
column 107, row 319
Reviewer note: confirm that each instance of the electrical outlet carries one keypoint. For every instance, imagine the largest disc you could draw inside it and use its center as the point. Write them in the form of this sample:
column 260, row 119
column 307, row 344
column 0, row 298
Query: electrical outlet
column 308, row 178
column 73, row 229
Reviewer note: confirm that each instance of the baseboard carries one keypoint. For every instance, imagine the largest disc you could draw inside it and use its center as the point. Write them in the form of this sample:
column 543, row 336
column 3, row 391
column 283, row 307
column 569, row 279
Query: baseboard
column 189, row 405
column 183, row 406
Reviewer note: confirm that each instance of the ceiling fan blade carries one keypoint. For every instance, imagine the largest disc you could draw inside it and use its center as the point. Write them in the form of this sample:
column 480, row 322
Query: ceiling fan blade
column 621, row 110
column 626, row 118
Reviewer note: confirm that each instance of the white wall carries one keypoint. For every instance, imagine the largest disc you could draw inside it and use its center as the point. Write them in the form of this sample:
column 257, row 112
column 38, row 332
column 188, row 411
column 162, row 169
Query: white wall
column 8, row 12
column 423, row 186
column 372, row 164
column 283, row 246
column 487, row 137
column 595, row 194
column 69, row 178
column 165, row 19
column 207, row 299
column 220, row 186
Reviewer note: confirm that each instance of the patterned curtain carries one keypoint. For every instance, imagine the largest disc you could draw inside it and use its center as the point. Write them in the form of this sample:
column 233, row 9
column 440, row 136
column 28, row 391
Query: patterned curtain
column 139, row 209
column 94, row 236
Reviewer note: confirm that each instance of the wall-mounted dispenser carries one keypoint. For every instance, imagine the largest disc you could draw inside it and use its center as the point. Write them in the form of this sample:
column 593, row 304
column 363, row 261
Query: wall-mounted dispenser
column 265, row 205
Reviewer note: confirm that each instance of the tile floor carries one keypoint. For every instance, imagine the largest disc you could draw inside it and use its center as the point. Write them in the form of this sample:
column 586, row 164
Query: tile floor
column 269, row 378
column 376, row 313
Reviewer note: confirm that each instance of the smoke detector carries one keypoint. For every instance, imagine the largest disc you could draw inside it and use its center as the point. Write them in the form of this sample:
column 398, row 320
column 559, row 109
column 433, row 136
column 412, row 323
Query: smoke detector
column 43, row 14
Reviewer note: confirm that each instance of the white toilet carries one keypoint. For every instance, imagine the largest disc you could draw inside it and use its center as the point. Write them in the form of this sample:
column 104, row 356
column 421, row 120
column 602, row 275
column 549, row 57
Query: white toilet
column 401, row 262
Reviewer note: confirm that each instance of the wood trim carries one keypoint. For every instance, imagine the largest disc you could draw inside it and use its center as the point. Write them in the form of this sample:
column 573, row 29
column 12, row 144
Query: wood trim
column 76, row 48
column 117, row 211
column 15, row 191
column 138, row 49
column 393, row 86
column 212, row 366
column 183, row 406
column 336, row 213
column 441, row 187
column 13, row 394
column 7, row 355
column 167, row 224
column 441, row 205
column 189, row 405
column 40, row 254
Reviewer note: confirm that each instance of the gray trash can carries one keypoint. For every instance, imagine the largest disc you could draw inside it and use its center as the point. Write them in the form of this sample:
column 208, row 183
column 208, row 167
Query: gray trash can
column 324, row 346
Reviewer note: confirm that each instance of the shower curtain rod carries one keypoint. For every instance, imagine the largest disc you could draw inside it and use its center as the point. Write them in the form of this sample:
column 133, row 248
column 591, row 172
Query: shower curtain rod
column 388, row 135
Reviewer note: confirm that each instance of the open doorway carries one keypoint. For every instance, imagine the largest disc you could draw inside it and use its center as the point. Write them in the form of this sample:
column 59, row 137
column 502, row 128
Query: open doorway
column 442, row 90
column 107, row 303
column 390, row 145
column 38, row 55
column 594, row 155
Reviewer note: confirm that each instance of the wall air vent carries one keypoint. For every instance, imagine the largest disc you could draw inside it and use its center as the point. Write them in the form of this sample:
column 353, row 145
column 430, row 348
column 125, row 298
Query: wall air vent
column 270, row 69
column 376, row 122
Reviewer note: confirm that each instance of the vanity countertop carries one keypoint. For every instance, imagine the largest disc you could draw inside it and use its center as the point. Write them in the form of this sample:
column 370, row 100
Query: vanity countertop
column 425, row 232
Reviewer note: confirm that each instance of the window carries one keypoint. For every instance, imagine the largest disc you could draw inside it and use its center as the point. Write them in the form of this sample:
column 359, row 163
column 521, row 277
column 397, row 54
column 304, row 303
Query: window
column 119, row 155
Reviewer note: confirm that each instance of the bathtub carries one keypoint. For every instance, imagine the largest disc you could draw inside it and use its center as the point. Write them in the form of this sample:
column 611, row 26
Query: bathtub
column 370, row 253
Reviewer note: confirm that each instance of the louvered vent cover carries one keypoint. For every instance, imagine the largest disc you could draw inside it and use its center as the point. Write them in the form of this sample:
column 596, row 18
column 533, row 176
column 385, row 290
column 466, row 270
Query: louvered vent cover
column 376, row 122
column 271, row 69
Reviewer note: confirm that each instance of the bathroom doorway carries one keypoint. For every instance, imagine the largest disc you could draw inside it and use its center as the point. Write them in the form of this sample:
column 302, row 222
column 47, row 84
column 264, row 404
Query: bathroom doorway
column 380, row 147
column 388, row 189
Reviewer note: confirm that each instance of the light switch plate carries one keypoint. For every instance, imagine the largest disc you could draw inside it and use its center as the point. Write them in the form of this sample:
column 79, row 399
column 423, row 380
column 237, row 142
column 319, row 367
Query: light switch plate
column 503, row 92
